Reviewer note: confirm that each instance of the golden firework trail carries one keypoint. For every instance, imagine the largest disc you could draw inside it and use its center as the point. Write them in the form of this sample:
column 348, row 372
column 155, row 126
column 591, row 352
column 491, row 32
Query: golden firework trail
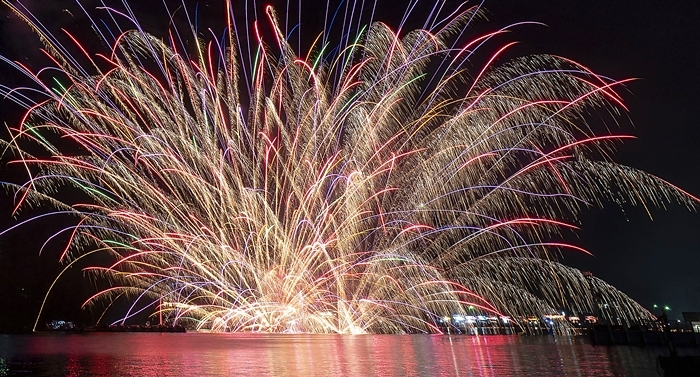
column 238, row 185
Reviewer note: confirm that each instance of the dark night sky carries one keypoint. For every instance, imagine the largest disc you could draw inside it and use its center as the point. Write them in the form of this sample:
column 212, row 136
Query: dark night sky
column 652, row 261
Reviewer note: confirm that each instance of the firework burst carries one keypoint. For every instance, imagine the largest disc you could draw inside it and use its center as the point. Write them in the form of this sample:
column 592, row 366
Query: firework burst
column 374, row 187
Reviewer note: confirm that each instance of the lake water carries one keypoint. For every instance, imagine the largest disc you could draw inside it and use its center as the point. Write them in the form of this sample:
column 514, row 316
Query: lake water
column 200, row 354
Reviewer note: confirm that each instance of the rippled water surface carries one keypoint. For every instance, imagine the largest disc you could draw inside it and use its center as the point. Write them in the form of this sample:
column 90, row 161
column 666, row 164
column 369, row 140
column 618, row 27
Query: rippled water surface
column 198, row 354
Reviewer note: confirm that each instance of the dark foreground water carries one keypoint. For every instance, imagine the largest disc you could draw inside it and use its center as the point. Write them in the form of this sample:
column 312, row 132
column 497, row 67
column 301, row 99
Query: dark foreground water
column 197, row 354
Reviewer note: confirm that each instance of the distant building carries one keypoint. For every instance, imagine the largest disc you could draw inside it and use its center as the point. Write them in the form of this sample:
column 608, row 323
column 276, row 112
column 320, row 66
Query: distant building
column 694, row 319
column 60, row 325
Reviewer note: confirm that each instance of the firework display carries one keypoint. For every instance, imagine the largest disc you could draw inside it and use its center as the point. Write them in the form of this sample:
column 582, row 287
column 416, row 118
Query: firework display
column 374, row 184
